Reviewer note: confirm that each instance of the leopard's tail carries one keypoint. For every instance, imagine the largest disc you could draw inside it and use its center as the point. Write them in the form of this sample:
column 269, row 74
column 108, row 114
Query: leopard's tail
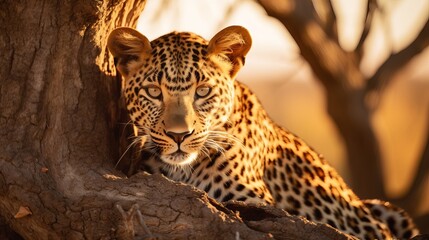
column 398, row 221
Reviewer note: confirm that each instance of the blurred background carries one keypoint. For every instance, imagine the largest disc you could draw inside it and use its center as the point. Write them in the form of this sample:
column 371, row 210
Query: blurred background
column 294, row 96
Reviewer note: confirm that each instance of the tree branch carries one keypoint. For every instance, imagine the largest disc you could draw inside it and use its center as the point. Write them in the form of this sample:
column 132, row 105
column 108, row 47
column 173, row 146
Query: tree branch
column 332, row 65
column 370, row 10
column 328, row 18
column 170, row 210
column 382, row 77
column 282, row 225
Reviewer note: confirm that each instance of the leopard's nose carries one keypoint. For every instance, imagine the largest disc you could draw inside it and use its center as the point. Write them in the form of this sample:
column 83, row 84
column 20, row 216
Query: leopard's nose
column 178, row 137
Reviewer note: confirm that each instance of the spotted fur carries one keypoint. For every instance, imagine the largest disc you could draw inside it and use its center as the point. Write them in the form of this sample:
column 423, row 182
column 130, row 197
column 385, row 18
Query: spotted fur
column 202, row 127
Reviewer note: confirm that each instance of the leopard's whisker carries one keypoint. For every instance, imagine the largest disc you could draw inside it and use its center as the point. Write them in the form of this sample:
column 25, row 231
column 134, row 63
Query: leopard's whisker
column 136, row 140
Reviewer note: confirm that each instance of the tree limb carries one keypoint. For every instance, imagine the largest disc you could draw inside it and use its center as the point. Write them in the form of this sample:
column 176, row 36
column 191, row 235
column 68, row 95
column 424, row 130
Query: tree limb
column 371, row 7
column 328, row 18
column 384, row 74
column 327, row 59
column 282, row 225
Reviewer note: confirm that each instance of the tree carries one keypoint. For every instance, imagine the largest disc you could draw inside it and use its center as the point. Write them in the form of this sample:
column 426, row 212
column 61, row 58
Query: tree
column 351, row 96
column 59, row 138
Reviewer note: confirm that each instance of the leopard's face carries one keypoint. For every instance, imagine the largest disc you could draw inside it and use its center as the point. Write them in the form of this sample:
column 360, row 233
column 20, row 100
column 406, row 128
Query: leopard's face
column 178, row 94
column 179, row 98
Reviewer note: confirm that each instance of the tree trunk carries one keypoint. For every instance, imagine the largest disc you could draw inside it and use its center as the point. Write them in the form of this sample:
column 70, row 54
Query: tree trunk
column 59, row 140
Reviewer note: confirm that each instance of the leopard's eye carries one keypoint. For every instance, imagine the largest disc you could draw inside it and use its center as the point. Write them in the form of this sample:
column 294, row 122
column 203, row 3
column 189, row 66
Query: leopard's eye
column 153, row 91
column 203, row 91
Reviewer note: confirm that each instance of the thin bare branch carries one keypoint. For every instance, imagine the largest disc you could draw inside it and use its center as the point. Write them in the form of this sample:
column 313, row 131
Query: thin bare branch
column 396, row 61
column 332, row 65
column 371, row 7
column 327, row 17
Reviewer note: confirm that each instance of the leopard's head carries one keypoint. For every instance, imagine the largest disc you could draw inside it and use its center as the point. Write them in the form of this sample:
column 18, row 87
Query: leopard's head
column 179, row 88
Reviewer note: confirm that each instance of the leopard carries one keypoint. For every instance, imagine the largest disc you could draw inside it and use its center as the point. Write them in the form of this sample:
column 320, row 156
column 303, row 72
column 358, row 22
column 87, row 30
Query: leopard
column 199, row 125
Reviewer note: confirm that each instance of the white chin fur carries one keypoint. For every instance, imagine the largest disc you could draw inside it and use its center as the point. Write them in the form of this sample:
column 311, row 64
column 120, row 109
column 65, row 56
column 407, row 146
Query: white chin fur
column 180, row 160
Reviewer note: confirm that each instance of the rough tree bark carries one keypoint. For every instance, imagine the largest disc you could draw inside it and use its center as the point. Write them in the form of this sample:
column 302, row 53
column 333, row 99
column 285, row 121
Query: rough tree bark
column 350, row 94
column 58, row 114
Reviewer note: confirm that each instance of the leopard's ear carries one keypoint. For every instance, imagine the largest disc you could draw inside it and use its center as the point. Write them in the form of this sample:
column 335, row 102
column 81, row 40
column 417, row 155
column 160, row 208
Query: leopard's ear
column 129, row 47
column 230, row 44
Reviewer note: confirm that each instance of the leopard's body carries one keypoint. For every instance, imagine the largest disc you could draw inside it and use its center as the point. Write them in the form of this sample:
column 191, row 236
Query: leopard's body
column 204, row 128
